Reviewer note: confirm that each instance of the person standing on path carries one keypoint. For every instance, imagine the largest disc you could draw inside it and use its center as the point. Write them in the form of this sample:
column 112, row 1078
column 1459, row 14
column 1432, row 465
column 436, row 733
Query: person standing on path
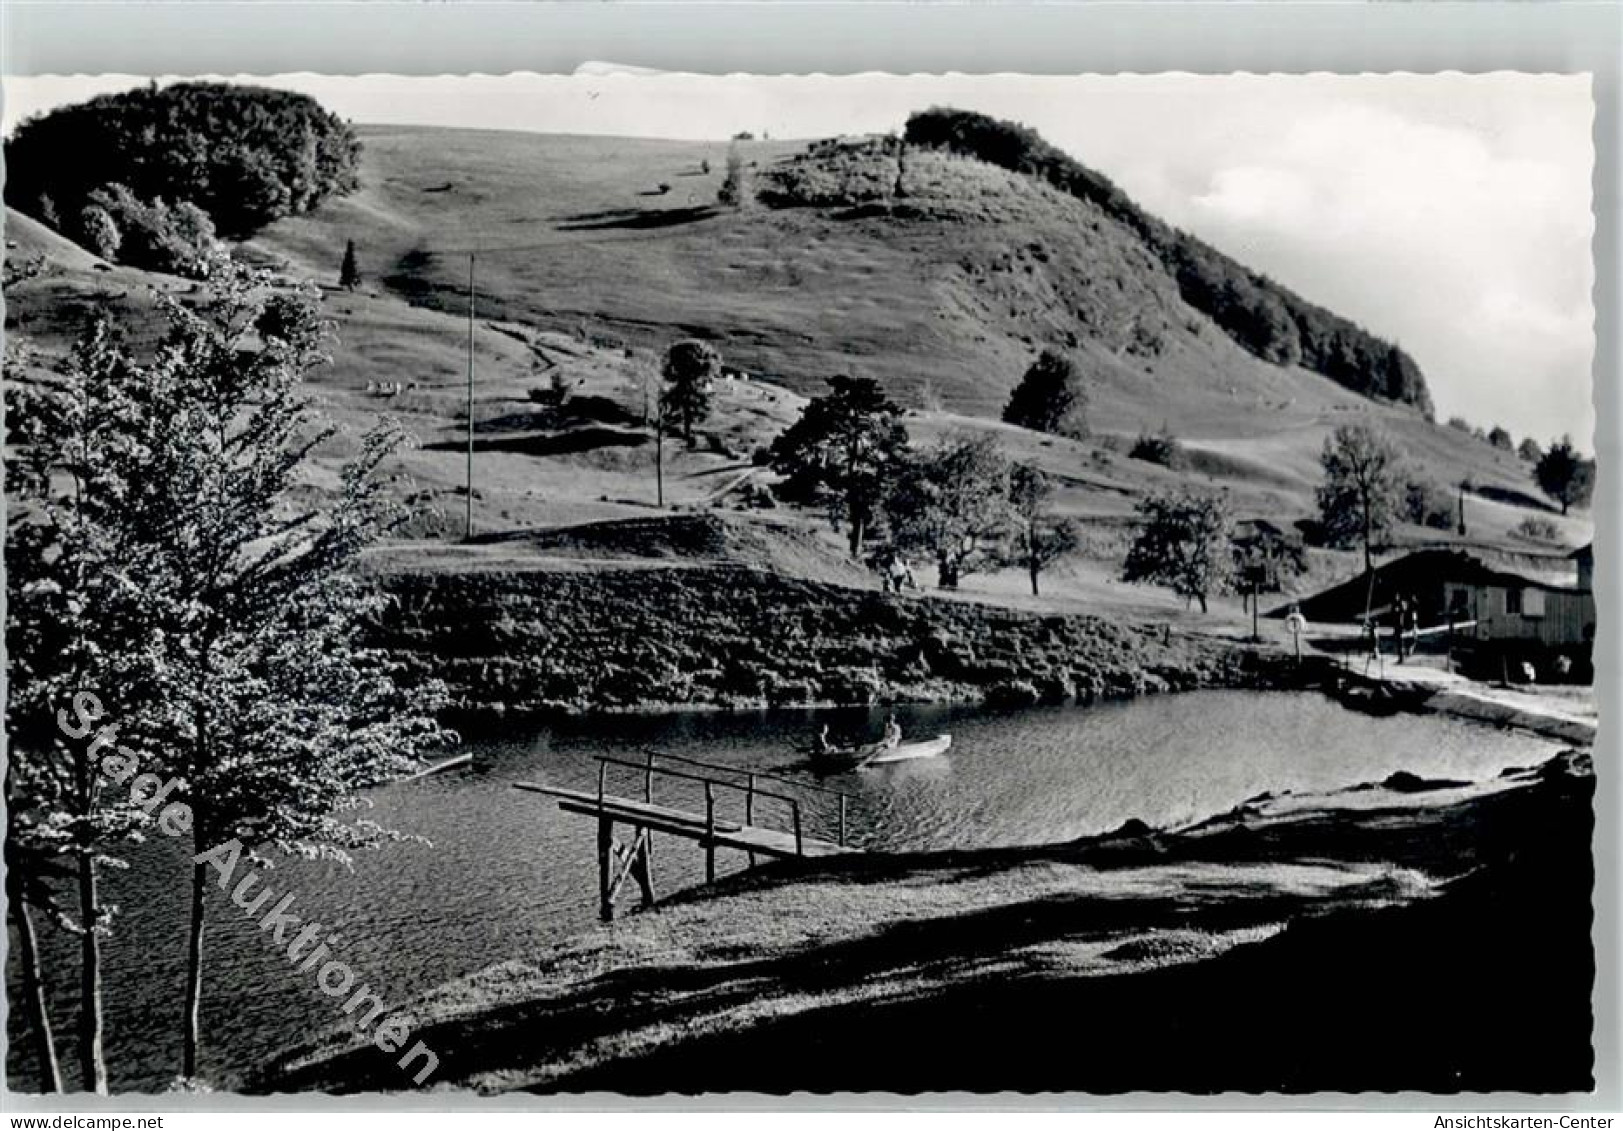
column 1296, row 625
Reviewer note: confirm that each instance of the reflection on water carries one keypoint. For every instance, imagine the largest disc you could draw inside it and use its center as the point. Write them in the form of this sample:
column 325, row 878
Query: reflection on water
column 503, row 874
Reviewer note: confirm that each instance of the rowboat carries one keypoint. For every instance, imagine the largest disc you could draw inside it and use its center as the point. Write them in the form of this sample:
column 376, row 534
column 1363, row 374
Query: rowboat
column 878, row 754
column 907, row 751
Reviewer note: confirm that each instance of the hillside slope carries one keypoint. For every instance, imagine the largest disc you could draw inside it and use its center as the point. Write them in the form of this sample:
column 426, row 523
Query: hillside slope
column 948, row 300
column 586, row 271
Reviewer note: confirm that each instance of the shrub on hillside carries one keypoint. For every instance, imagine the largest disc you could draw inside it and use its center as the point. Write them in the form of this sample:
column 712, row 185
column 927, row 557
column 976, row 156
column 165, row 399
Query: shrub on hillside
column 1051, row 397
column 245, row 155
column 176, row 239
column 735, row 191
column 1158, row 447
column 19, row 269
column 99, row 232
column 1537, row 528
column 1426, row 503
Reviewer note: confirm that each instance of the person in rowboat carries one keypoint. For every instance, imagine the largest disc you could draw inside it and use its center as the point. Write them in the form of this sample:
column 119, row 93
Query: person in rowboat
column 893, row 733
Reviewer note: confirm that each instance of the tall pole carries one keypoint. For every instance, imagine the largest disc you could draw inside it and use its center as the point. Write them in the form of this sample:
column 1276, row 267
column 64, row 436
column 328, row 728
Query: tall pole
column 468, row 533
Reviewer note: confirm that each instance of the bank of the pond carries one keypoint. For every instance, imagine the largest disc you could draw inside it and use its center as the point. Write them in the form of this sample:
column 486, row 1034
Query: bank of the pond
column 1409, row 934
column 543, row 640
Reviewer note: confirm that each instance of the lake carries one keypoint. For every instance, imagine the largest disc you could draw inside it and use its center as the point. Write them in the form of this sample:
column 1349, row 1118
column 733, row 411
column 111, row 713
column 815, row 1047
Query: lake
column 502, row 874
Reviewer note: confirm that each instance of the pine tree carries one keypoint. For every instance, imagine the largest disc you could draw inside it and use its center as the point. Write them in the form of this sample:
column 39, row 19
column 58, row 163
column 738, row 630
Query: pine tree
column 845, row 451
column 690, row 372
column 349, row 273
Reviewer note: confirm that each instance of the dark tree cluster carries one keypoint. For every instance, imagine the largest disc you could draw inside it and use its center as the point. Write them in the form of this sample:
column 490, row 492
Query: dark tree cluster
column 245, row 155
column 1051, row 397
column 1262, row 316
column 844, row 451
column 177, row 239
column 1565, row 475
column 1158, row 447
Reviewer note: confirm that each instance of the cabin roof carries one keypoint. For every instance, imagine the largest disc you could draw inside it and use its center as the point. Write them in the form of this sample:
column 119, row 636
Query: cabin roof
column 1414, row 574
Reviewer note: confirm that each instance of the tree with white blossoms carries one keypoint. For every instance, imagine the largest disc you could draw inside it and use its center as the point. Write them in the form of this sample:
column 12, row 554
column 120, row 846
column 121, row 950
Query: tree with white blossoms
column 235, row 658
column 65, row 592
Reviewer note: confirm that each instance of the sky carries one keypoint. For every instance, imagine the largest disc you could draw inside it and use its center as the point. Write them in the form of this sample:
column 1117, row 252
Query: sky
column 1450, row 213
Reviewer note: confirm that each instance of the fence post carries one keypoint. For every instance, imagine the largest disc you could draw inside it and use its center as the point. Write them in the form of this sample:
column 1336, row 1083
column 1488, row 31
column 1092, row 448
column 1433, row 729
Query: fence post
column 800, row 848
column 602, row 771
column 709, row 833
column 842, row 820
column 648, row 778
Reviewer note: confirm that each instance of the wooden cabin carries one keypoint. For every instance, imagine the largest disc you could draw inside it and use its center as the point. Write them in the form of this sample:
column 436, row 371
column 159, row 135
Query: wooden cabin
column 1451, row 586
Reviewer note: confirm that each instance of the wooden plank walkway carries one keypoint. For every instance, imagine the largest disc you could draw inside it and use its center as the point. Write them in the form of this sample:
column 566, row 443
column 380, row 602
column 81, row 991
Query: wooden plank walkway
column 679, row 822
column 617, row 863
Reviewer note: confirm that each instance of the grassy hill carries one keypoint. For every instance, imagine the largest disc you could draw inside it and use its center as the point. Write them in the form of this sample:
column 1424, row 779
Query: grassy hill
column 946, row 301
column 594, row 254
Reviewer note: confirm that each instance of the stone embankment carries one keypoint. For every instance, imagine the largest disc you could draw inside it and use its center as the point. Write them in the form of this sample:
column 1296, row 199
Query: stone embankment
column 728, row 636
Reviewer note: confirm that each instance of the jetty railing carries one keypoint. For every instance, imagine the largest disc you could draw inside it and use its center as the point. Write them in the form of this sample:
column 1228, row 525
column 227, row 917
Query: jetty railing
column 750, row 791
column 752, row 776
column 617, row 863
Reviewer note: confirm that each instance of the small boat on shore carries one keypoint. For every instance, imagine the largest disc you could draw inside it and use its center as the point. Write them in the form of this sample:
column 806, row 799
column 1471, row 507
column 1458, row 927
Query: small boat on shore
column 878, row 753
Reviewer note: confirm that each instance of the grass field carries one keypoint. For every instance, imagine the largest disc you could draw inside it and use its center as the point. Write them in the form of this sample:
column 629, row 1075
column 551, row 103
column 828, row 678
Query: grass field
column 586, row 269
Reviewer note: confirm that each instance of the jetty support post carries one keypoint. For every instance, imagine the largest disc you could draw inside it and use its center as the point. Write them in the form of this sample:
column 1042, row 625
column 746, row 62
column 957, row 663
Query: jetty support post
column 645, row 875
column 709, row 833
column 749, row 809
column 605, row 860
column 634, row 863
column 642, row 868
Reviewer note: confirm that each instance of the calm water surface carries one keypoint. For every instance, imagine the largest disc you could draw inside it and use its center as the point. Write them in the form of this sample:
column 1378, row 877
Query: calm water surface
column 502, row 874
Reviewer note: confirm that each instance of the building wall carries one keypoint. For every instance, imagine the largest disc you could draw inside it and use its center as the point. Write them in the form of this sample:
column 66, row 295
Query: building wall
column 1553, row 616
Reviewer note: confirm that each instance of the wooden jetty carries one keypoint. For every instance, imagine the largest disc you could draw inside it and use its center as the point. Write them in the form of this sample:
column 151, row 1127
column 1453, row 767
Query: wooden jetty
column 616, row 863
